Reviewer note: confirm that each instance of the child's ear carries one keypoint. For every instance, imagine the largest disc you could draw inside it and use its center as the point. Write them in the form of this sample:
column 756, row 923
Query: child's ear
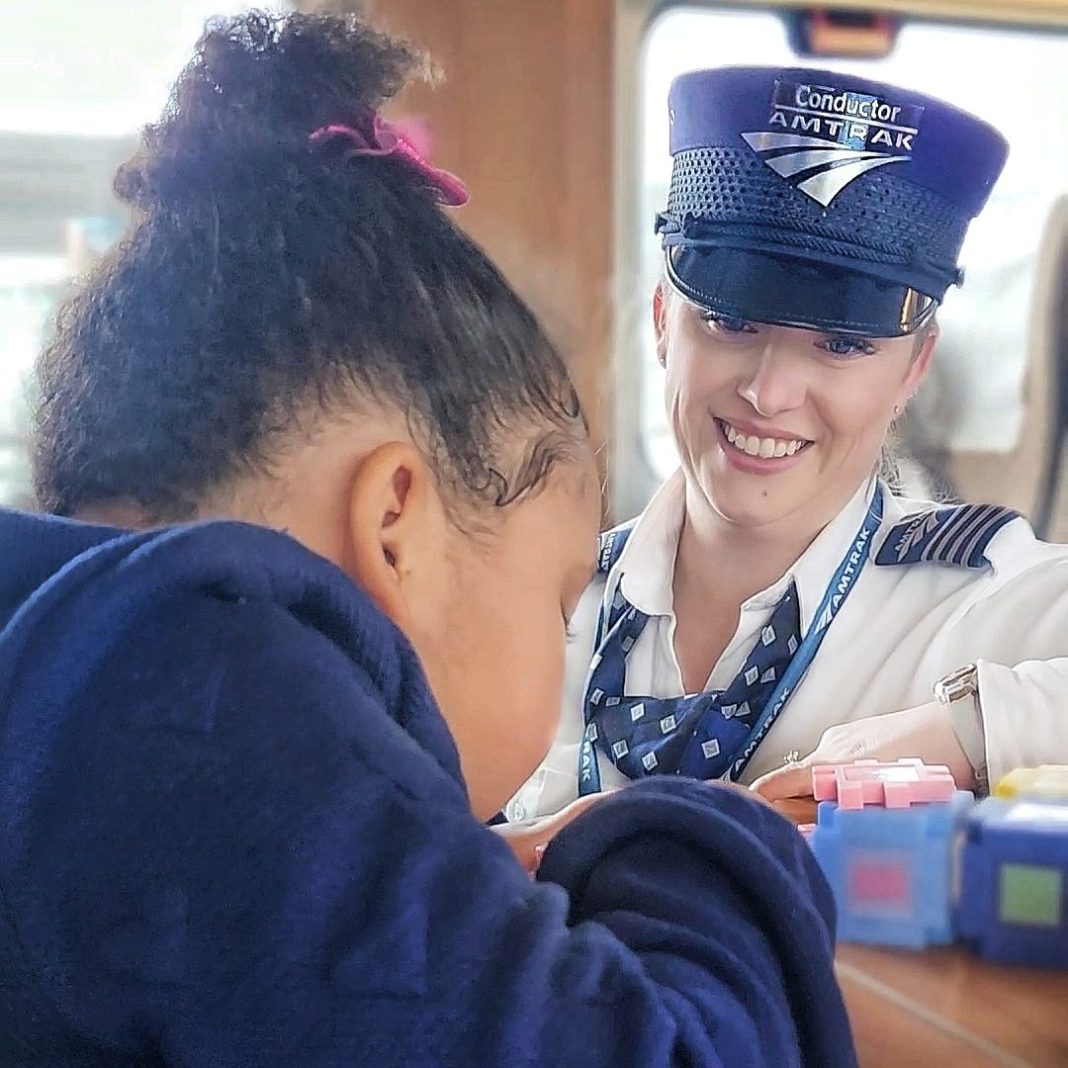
column 396, row 532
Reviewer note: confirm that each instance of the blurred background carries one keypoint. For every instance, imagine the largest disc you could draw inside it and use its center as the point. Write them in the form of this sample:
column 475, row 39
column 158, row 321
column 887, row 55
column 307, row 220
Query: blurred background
column 554, row 113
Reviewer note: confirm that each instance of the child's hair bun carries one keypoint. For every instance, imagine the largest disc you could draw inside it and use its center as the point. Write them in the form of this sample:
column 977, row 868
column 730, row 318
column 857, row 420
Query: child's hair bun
column 257, row 87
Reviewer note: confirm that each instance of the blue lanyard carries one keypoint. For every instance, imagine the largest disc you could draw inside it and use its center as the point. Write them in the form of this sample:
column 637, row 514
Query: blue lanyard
column 589, row 773
column 839, row 588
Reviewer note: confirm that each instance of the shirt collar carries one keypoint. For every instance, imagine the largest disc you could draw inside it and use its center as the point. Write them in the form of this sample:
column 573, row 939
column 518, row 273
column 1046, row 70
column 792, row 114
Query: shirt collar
column 647, row 563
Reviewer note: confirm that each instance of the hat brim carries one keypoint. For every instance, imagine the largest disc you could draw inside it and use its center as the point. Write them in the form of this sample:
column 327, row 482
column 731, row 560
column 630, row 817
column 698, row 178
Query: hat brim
column 787, row 291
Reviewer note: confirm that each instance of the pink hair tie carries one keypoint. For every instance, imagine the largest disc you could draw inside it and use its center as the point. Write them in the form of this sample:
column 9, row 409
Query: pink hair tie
column 397, row 140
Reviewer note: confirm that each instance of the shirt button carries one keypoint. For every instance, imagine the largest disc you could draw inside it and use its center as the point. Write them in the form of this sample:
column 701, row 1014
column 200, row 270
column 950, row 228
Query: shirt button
column 519, row 813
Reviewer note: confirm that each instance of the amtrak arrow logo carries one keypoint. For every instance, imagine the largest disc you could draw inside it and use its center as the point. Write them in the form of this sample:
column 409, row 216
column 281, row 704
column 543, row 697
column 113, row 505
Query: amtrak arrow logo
column 819, row 169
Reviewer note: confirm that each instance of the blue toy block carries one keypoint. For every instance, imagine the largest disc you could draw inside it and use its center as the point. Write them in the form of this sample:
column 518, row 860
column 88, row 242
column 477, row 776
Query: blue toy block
column 890, row 870
column 1013, row 905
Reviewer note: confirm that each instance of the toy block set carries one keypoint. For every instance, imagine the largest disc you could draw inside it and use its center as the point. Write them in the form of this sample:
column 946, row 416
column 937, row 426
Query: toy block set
column 914, row 862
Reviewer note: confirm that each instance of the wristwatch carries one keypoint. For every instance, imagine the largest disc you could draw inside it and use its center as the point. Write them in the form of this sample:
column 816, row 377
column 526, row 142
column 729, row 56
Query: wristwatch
column 957, row 685
column 959, row 694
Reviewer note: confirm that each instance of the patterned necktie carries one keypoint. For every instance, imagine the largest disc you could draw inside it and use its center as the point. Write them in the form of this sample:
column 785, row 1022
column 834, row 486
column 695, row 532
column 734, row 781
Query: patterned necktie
column 697, row 734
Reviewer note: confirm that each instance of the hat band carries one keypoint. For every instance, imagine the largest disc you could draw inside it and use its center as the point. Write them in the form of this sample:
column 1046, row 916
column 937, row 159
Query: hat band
column 780, row 291
column 921, row 271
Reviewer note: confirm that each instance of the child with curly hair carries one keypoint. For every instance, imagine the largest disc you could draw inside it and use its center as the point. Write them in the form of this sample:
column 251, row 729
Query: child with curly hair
column 322, row 501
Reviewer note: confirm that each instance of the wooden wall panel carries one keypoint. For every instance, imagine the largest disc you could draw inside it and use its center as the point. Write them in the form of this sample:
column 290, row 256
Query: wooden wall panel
column 524, row 116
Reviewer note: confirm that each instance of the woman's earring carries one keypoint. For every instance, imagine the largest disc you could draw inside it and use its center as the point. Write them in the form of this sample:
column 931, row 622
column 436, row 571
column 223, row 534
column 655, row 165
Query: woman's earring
column 897, row 410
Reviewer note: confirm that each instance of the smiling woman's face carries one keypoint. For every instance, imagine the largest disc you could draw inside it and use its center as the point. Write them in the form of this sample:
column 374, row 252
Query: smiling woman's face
column 777, row 423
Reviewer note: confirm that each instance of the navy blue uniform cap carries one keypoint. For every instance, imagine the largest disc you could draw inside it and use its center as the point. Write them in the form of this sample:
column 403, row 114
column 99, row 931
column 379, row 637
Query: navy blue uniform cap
column 806, row 198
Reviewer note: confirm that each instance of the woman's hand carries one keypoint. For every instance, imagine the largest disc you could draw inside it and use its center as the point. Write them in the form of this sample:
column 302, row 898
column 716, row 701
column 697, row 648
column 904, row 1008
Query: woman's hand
column 529, row 838
column 925, row 732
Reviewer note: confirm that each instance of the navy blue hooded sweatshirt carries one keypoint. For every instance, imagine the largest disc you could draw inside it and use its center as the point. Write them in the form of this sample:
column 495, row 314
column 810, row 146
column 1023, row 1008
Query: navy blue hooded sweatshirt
column 233, row 832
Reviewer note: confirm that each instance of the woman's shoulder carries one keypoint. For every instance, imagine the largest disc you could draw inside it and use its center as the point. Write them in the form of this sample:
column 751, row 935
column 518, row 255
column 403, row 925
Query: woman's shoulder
column 976, row 537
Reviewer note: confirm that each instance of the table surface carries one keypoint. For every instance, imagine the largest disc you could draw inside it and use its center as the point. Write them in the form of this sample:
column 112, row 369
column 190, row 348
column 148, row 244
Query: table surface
column 940, row 1008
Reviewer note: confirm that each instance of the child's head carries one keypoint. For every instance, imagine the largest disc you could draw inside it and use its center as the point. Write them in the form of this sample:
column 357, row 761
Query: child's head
column 295, row 334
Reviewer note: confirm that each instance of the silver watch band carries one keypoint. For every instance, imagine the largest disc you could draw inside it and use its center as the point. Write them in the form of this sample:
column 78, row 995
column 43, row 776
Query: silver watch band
column 959, row 692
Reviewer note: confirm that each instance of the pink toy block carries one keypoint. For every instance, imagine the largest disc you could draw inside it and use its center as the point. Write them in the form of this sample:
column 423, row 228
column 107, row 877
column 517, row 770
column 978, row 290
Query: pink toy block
column 892, row 785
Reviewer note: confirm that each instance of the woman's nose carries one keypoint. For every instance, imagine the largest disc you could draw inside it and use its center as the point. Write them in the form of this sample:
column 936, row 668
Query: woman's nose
column 776, row 380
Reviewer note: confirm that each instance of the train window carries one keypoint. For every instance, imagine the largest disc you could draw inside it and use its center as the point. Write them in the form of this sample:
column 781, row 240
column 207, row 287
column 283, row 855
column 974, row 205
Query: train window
column 27, row 287
column 972, row 417
column 76, row 83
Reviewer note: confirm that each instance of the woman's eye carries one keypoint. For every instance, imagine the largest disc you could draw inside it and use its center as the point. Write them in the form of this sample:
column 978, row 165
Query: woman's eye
column 728, row 324
column 845, row 347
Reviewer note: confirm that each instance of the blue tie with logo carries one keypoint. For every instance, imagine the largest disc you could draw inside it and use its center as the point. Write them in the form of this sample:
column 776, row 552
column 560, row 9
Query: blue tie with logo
column 697, row 734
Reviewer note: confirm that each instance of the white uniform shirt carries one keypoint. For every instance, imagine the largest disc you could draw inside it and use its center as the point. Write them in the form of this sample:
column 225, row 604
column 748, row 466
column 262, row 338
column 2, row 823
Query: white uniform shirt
column 901, row 629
